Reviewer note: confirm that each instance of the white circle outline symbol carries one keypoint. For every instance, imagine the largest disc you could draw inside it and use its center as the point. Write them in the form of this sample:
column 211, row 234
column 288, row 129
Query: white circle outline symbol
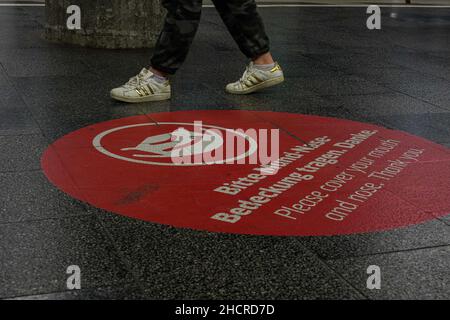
column 96, row 142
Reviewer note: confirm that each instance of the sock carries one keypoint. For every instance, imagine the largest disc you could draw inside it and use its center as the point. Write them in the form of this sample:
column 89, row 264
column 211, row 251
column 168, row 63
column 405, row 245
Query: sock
column 158, row 78
column 264, row 67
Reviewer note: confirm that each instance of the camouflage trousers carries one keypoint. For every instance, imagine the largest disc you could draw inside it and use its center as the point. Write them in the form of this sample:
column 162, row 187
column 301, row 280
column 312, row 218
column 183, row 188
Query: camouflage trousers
column 181, row 23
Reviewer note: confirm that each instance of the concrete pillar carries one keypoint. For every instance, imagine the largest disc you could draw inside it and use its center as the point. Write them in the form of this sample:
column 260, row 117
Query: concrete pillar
column 106, row 23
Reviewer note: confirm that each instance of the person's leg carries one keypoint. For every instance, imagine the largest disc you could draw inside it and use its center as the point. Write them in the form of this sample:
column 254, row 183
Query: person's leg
column 246, row 27
column 180, row 26
column 172, row 47
column 265, row 58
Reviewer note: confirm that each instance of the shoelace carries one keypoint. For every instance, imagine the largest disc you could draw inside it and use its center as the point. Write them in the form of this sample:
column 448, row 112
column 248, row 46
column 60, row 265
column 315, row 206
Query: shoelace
column 136, row 80
column 245, row 75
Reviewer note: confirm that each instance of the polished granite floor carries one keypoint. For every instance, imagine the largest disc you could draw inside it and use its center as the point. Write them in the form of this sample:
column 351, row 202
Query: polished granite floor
column 397, row 77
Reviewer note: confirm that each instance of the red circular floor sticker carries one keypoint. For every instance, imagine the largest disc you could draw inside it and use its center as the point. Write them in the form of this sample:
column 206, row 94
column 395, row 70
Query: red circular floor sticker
column 263, row 173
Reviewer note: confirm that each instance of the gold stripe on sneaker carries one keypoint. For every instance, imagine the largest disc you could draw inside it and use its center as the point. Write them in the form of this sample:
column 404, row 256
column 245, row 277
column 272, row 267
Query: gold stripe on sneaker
column 276, row 68
column 150, row 88
column 144, row 90
column 259, row 80
column 140, row 93
column 252, row 79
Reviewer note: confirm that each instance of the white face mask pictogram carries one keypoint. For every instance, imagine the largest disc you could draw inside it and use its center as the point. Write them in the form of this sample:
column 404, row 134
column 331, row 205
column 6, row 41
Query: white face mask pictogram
column 167, row 148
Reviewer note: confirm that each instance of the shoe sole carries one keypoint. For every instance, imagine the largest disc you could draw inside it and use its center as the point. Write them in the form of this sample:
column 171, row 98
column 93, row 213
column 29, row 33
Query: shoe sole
column 155, row 97
column 260, row 86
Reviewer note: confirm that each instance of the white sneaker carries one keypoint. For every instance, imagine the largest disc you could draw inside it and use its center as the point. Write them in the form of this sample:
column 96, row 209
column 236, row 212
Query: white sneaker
column 142, row 88
column 255, row 79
